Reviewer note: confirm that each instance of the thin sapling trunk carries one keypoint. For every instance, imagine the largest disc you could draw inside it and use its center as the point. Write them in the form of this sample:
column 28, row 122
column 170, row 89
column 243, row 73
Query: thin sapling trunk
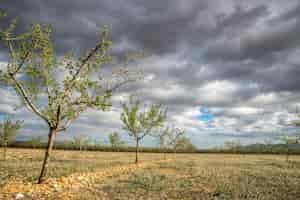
column 51, row 140
column 4, row 151
column 137, row 151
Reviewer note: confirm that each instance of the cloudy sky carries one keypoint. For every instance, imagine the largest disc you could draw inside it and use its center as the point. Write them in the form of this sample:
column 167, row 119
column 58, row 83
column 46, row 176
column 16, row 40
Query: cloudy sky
column 226, row 70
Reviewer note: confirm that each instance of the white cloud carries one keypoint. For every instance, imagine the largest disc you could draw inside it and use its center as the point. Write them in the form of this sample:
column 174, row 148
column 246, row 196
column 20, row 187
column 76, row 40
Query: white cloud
column 217, row 92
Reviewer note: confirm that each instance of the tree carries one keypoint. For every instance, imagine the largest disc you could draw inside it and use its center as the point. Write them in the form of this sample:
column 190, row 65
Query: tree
column 169, row 137
column 297, row 124
column 287, row 141
column 173, row 136
column 115, row 140
column 55, row 88
column 185, row 144
column 233, row 146
column 8, row 132
column 162, row 140
column 35, row 141
column 140, row 122
column 268, row 145
column 80, row 142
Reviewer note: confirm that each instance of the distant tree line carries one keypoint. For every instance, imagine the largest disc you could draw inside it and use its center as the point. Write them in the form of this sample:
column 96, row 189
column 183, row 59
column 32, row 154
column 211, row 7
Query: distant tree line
column 69, row 145
column 287, row 146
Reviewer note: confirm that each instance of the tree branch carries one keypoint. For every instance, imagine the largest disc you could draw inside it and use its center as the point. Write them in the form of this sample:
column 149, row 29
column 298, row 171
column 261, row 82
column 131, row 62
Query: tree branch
column 81, row 102
column 146, row 133
column 83, row 63
column 69, row 122
column 28, row 102
column 115, row 87
column 12, row 39
column 58, row 116
column 92, row 52
column 12, row 53
column 22, row 62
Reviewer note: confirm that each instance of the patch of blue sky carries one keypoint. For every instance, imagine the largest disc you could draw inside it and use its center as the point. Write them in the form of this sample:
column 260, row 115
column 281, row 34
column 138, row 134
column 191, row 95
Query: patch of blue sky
column 3, row 115
column 205, row 115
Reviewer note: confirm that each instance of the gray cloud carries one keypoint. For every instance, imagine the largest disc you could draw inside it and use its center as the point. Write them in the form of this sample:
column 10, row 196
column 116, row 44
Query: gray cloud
column 238, row 58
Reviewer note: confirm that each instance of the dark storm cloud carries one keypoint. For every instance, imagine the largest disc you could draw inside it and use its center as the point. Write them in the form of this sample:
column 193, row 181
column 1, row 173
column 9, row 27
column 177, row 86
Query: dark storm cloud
column 213, row 53
column 161, row 27
column 212, row 34
column 258, row 45
column 156, row 26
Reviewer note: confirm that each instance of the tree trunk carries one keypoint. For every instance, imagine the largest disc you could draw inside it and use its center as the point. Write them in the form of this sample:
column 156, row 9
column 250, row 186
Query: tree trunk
column 4, row 151
column 137, row 152
column 175, row 151
column 51, row 139
column 287, row 156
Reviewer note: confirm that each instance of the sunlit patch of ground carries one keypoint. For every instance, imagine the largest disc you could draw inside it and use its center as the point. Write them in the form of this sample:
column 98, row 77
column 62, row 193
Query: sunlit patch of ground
column 98, row 175
column 68, row 169
column 68, row 187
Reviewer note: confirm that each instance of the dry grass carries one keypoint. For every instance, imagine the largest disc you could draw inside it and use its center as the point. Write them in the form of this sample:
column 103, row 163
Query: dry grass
column 186, row 176
column 207, row 176
column 25, row 164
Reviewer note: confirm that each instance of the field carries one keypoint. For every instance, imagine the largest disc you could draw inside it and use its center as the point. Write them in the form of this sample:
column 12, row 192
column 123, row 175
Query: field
column 99, row 175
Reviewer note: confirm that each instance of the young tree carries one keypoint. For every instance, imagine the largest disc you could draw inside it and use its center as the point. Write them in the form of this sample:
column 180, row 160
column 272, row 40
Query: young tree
column 80, row 142
column 174, row 135
column 169, row 137
column 8, row 132
column 35, row 141
column 297, row 124
column 140, row 122
column 268, row 145
column 55, row 88
column 185, row 144
column 287, row 141
column 233, row 146
column 162, row 140
column 115, row 140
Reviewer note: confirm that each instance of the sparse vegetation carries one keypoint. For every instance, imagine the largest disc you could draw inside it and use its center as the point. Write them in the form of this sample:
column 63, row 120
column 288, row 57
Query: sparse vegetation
column 219, row 177
column 190, row 176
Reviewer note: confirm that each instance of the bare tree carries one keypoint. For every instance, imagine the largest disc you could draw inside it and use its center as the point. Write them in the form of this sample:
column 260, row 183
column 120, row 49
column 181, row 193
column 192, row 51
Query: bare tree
column 8, row 132
column 173, row 136
column 55, row 88
column 162, row 140
column 140, row 122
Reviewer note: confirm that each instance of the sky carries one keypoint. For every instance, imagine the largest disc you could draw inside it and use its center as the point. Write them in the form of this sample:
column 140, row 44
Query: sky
column 226, row 70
